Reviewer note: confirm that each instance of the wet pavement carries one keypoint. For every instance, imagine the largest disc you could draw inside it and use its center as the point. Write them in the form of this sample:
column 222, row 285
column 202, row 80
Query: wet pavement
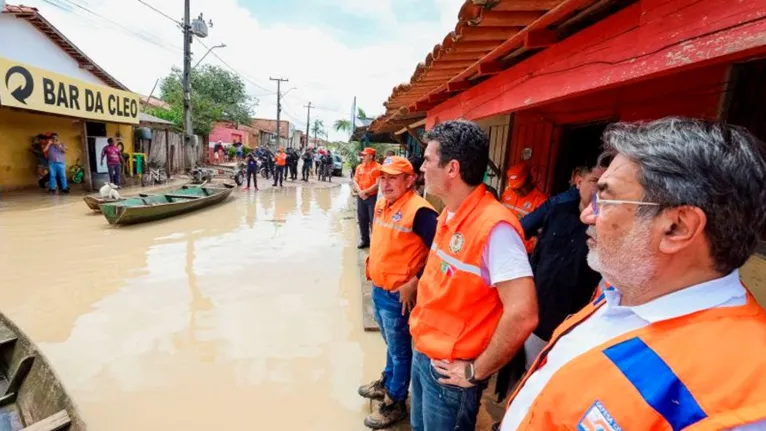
column 241, row 316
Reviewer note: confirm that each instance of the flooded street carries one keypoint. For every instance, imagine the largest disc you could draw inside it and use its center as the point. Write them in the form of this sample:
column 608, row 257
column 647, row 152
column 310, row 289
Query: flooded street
column 241, row 316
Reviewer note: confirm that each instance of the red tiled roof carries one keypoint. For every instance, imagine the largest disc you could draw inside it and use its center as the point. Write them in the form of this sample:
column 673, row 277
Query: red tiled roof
column 33, row 17
column 486, row 34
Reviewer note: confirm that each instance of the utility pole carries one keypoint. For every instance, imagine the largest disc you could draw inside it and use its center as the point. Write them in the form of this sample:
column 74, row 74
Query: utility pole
column 279, row 103
column 187, row 74
column 308, row 122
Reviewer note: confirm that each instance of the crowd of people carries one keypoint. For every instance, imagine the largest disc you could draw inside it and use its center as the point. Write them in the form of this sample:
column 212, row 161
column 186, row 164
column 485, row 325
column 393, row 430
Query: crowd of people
column 284, row 164
column 614, row 305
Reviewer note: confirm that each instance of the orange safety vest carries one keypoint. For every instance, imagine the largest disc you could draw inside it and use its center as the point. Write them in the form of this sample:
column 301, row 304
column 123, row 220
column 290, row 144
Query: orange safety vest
column 281, row 159
column 456, row 311
column 705, row 371
column 523, row 205
column 396, row 252
column 367, row 175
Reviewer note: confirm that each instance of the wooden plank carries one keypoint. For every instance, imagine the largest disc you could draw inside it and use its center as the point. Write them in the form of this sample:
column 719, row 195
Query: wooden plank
column 493, row 18
column 25, row 365
column 490, row 68
column 540, row 39
column 450, row 65
column 476, row 34
column 514, row 6
column 463, row 46
column 171, row 195
column 54, row 422
column 617, row 51
column 459, row 86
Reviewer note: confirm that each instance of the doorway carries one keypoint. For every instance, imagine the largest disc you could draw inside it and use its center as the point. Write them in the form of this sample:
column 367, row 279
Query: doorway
column 579, row 145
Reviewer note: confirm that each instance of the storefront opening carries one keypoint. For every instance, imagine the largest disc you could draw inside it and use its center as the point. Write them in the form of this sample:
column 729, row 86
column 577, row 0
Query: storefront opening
column 579, row 145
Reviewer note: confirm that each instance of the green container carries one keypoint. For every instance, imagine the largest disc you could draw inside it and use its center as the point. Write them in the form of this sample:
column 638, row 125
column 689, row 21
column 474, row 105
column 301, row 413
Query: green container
column 138, row 163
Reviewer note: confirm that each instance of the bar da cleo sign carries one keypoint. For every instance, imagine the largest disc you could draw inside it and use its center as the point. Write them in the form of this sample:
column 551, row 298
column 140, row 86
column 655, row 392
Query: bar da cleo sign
column 28, row 87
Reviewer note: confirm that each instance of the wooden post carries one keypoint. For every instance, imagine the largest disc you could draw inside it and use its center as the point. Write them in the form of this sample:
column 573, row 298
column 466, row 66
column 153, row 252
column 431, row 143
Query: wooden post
column 88, row 183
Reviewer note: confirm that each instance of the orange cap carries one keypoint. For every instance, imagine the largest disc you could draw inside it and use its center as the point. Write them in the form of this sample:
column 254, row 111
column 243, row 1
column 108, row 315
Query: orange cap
column 517, row 175
column 368, row 150
column 396, row 165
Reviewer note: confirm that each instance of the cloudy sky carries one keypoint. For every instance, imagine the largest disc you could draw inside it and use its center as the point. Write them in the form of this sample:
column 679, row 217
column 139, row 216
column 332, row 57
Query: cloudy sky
column 330, row 50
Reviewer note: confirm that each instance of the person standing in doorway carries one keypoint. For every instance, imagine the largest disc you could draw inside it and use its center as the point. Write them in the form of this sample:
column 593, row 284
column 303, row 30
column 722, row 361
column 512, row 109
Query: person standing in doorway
column 113, row 158
column 366, row 187
column 280, row 161
column 522, row 196
column 476, row 300
column 402, row 233
column 56, row 151
column 252, row 171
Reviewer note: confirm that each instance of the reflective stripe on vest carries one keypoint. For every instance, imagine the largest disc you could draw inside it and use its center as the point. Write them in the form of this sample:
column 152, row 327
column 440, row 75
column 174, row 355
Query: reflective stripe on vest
column 462, row 266
column 698, row 372
column 456, row 310
column 393, row 226
column 513, row 208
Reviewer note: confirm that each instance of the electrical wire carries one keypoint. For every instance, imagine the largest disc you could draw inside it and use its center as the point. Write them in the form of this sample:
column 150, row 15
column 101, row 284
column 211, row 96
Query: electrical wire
column 178, row 23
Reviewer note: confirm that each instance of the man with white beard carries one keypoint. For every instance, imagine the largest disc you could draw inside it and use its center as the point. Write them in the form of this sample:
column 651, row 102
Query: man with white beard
column 674, row 341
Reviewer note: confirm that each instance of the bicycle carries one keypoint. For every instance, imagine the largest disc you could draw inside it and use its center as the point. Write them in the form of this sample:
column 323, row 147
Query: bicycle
column 77, row 172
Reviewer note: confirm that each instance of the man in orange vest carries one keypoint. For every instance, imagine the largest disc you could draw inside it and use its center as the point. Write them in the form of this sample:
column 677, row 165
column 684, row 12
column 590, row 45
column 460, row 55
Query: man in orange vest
column 674, row 341
column 522, row 196
column 476, row 299
column 402, row 233
column 366, row 188
column 280, row 160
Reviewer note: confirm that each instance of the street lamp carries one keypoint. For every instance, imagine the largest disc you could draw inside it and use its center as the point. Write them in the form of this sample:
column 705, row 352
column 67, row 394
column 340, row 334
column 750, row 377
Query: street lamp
column 223, row 45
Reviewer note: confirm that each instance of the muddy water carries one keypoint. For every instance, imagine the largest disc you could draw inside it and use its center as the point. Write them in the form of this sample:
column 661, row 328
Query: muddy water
column 243, row 316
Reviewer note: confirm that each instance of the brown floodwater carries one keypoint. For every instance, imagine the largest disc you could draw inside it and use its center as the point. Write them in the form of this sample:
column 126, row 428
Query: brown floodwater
column 243, row 316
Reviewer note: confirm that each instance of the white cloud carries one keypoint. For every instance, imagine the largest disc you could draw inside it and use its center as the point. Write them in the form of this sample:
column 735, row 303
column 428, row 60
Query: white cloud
column 323, row 69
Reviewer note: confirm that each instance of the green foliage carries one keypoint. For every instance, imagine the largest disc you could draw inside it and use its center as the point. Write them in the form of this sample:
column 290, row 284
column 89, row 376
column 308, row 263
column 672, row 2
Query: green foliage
column 342, row 126
column 361, row 114
column 217, row 94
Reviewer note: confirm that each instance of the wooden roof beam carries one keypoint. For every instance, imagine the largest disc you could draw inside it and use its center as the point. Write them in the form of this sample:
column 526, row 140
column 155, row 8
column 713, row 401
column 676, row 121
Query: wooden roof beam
column 494, row 18
column 526, row 5
column 498, row 34
column 438, row 98
column 447, row 65
column 490, row 68
column 463, row 56
column 463, row 46
column 540, row 38
column 454, row 87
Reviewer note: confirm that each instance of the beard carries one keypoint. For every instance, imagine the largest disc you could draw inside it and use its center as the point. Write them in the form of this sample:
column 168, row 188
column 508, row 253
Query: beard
column 625, row 262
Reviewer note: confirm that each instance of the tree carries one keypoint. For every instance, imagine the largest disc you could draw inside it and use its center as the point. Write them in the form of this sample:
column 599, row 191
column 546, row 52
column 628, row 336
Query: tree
column 342, row 125
column 217, row 94
column 361, row 114
column 318, row 128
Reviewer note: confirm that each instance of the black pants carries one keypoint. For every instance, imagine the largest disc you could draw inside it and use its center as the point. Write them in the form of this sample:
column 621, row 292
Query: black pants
column 255, row 178
column 294, row 171
column 365, row 211
column 279, row 175
column 306, row 171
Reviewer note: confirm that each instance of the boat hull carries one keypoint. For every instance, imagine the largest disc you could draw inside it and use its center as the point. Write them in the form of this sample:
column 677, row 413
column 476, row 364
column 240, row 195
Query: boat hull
column 147, row 208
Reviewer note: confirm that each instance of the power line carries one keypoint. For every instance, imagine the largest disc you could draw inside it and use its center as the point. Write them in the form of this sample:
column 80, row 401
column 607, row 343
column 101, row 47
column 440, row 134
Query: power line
column 160, row 12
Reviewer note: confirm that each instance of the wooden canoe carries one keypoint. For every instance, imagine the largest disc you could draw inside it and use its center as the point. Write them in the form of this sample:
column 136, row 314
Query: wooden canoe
column 151, row 207
column 94, row 202
column 32, row 396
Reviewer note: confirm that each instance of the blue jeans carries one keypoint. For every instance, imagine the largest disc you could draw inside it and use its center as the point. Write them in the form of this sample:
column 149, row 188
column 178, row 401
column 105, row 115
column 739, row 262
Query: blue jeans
column 57, row 170
column 436, row 406
column 395, row 330
column 114, row 173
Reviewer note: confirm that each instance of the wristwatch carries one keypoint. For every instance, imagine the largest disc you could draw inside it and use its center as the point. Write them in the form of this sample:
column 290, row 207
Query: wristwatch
column 470, row 374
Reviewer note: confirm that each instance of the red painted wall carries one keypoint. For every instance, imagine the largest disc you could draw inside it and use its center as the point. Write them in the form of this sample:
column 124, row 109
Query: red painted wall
column 696, row 93
column 227, row 135
column 646, row 40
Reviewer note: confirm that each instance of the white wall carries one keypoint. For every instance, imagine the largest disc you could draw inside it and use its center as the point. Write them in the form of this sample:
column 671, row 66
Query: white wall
column 21, row 41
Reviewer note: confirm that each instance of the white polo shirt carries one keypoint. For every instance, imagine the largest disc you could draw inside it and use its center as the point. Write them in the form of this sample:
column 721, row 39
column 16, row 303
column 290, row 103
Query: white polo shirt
column 613, row 320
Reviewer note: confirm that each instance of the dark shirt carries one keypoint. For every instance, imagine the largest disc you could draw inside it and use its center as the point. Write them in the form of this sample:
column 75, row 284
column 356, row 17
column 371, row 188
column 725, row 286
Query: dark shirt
column 532, row 222
column 563, row 279
column 424, row 226
column 252, row 166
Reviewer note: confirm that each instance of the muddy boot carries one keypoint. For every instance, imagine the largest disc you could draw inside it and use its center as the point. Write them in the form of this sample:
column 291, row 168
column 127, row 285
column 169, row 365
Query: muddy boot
column 374, row 390
column 389, row 412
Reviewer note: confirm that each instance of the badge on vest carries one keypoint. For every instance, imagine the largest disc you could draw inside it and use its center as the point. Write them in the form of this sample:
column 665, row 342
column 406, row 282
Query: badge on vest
column 597, row 418
column 447, row 269
column 527, row 205
column 456, row 242
column 397, row 216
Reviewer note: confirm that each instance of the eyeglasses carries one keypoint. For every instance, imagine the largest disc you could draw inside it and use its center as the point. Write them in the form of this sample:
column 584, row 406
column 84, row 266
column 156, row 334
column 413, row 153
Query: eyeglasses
column 596, row 202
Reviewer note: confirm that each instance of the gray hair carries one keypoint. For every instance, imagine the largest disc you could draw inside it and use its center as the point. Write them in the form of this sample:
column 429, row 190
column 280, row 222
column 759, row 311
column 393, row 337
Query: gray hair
column 716, row 167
